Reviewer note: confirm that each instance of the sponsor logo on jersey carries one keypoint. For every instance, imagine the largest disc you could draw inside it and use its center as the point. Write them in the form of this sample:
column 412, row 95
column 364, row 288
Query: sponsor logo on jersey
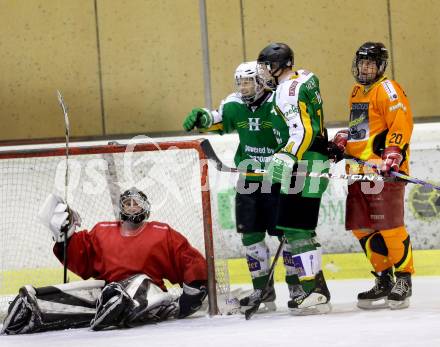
column 292, row 88
column 311, row 84
column 397, row 106
column 292, row 111
column 253, row 264
column 391, row 91
column 359, row 127
column 254, row 124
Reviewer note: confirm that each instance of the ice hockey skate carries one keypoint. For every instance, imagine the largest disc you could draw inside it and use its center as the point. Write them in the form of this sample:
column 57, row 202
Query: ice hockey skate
column 267, row 302
column 401, row 292
column 315, row 302
column 377, row 297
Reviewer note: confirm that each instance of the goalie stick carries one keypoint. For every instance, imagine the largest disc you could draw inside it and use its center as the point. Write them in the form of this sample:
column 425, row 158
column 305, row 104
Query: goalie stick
column 66, row 176
column 251, row 311
column 397, row 175
column 220, row 166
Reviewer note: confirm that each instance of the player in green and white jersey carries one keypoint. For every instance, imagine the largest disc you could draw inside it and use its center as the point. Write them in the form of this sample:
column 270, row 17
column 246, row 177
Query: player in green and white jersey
column 248, row 111
column 298, row 122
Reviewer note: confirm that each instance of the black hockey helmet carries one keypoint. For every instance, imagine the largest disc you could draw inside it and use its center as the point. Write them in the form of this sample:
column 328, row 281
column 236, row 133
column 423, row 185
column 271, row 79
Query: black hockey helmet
column 134, row 206
column 373, row 51
column 272, row 60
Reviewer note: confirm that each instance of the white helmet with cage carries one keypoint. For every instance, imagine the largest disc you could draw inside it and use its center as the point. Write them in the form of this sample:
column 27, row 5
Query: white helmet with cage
column 248, row 84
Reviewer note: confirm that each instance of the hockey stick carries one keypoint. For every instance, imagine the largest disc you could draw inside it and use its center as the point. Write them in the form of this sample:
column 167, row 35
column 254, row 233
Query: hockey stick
column 112, row 180
column 220, row 166
column 251, row 311
column 397, row 175
column 66, row 177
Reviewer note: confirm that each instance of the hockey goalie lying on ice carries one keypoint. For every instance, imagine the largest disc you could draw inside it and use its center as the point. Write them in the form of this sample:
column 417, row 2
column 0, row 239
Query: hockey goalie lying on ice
column 129, row 259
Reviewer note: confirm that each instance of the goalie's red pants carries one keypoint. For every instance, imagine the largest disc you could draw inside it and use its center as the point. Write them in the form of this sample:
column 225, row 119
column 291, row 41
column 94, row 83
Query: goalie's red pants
column 387, row 248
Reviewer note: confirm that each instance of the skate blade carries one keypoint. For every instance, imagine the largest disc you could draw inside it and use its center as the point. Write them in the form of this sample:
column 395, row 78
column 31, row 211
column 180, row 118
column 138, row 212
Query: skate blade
column 373, row 304
column 398, row 305
column 312, row 310
column 264, row 307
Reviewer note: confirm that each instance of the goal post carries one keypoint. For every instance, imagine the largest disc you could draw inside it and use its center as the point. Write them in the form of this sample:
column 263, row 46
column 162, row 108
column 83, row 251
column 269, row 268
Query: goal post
column 173, row 174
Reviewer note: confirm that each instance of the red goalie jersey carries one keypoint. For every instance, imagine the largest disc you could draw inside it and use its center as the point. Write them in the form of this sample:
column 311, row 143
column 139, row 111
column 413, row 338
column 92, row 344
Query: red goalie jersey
column 156, row 250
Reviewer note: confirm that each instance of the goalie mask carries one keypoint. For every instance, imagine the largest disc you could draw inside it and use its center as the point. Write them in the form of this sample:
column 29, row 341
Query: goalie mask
column 247, row 83
column 272, row 60
column 134, row 206
column 370, row 62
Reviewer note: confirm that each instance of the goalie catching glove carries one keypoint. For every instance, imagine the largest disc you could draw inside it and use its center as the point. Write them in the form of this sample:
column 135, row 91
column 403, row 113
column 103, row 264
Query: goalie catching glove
column 58, row 217
column 191, row 299
column 198, row 117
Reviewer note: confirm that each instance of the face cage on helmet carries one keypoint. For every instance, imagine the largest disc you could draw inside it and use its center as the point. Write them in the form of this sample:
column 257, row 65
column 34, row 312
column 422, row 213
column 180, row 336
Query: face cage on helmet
column 265, row 76
column 138, row 217
column 380, row 63
column 254, row 92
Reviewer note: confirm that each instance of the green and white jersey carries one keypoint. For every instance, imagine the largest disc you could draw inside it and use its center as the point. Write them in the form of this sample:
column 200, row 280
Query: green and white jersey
column 298, row 115
column 254, row 127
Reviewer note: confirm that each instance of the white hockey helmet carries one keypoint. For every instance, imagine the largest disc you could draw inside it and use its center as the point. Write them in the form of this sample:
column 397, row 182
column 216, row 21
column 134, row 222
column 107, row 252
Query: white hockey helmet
column 248, row 84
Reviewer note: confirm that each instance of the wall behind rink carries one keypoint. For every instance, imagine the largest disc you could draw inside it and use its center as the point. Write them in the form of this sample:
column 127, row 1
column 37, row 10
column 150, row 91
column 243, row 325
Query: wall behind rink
column 422, row 215
column 137, row 66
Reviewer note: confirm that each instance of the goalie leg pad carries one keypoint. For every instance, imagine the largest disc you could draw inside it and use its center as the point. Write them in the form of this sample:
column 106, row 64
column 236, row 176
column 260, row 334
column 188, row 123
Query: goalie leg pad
column 64, row 306
column 112, row 307
column 23, row 315
column 131, row 302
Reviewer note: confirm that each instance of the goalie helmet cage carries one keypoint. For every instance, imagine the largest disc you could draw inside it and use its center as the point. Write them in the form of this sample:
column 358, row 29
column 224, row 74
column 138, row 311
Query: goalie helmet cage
column 174, row 176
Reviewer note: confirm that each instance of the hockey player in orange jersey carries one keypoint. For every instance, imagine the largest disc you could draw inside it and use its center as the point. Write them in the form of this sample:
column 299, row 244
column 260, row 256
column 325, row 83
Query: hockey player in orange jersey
column 379, row 130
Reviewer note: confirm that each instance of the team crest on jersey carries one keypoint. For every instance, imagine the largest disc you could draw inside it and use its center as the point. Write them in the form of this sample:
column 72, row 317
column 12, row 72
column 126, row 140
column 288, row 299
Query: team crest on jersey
column 254, row 124
column 391, row 91
column 359, row 121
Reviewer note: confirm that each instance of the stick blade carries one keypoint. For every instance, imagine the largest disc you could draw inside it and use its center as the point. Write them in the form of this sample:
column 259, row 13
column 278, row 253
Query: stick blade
column 251, row 311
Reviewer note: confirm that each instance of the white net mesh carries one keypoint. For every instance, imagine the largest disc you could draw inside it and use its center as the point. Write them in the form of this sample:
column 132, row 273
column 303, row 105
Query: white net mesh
column 170, row 178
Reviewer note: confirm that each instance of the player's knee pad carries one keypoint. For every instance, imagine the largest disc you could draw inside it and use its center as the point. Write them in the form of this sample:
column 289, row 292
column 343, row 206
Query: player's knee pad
column 375, row 248
column 399, row 248
column 257, row 256
column 69, row 305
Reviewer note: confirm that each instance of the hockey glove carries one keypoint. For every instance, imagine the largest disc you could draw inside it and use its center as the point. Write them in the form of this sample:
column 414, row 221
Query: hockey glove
column 280, row 169
column 336, row 147
column 391, row 159
column 58, row 217
column 191, row 300
column 198, row 117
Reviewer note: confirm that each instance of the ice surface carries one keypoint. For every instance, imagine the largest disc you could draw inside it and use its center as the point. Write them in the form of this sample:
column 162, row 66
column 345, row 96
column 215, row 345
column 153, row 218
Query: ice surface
column 345, row 326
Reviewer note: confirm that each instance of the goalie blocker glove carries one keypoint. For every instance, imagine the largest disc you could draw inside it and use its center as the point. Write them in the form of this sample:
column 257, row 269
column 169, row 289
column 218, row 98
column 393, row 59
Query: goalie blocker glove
column 58, row 217
column 191, row 299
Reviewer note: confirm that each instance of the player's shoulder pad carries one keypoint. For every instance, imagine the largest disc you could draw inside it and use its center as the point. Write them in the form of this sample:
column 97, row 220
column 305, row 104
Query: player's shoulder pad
column 389, row 87
column 232, row 98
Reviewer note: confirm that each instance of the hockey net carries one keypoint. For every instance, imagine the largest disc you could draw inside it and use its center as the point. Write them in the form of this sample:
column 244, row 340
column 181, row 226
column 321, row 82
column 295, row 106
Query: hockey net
column 174, row 175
